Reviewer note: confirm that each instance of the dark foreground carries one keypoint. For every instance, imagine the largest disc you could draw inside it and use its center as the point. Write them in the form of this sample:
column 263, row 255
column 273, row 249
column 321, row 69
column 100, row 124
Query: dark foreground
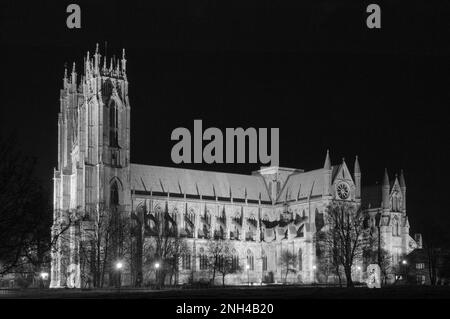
column 272, row 292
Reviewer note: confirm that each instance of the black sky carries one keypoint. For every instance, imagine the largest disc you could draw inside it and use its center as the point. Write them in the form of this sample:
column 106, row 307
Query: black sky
column 311, row 68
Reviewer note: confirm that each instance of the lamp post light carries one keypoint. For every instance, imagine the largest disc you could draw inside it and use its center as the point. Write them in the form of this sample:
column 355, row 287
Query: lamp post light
column 248, row 274
column 44, row 277
column 157, row 265
column 314, row 267
column 405, row 269
column 119, row 266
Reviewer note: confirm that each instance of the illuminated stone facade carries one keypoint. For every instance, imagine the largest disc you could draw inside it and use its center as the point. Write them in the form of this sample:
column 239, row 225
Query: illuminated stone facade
column 262, row 214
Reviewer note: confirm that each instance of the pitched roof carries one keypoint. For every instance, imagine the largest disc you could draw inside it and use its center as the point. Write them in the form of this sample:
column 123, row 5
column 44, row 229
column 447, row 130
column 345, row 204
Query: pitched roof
column 303, row 185
column 197, row 182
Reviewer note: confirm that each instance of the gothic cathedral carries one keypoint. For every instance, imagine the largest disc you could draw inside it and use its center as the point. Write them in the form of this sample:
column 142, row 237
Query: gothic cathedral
column 273, row 210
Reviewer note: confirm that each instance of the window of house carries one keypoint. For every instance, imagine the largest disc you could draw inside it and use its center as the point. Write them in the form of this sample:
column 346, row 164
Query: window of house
column 420, row 279
column 420, row 266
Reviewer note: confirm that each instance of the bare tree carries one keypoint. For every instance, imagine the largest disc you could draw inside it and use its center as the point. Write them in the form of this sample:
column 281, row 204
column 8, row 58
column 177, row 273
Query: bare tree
column 328, row 255
column 25, row 214
column 220, row 259
column 106, row 239
column 214, row 251
column 288, row 262
column 345, row 235
column 164, row 247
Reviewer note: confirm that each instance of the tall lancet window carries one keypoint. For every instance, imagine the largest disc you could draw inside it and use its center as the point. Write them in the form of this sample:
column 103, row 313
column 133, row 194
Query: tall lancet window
column 114, row 200
column 396, row 227
column 113, row 124
column 396, row 201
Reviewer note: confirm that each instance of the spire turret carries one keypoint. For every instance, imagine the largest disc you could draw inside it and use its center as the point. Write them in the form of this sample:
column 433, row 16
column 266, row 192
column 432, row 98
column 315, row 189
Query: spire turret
column 97, row 60
column 327, row 175
column 385, row 190
column 357, row 173
column 65, row 78
column 327, row 164
column 124, row 62
column 357, row 169
column 74, row 77
column 403, row 189
column 402, row 179
column 386, row 178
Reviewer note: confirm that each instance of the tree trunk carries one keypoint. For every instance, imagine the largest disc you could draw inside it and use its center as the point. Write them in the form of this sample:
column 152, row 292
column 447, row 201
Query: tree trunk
column 223, row 280
column 348, row 276
column 339, row 277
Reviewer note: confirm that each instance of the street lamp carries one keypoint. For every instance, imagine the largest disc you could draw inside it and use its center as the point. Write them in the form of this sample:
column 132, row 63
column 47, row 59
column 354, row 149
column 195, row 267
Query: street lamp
column 247, row 266
column 157, row 265
column 119, row 266
column 44, row 277
column 314, row 269
column 405, row 269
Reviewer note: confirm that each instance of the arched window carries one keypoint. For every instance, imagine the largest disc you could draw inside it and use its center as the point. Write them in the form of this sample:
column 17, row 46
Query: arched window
column 186, row 261
column 396, row 201
column 319, row 220
column 250, row 260
column 264, row 260
column 395, row 227
column 300, row 259
column 114, row 198
column 113, row 124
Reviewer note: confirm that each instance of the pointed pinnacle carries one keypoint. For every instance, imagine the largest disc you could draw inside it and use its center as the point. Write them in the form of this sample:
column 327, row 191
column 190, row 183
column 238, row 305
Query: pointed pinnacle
column 386, row 178
column 402, row 179
column 327, row 164
column 357, row 169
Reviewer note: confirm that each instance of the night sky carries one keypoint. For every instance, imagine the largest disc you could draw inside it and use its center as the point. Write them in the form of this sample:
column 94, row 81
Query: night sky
column 311, row 68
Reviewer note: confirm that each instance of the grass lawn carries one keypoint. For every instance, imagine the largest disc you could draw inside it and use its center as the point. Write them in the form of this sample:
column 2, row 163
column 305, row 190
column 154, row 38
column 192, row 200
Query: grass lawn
column 257, row 292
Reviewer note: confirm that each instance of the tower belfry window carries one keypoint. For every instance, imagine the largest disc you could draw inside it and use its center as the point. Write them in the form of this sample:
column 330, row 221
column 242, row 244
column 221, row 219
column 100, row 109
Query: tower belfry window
column 113, row 124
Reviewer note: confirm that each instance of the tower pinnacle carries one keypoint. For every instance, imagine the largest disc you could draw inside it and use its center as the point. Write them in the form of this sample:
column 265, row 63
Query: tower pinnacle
column 327, row 164
column 386, row 178
column 402, row 179
column 357, row 169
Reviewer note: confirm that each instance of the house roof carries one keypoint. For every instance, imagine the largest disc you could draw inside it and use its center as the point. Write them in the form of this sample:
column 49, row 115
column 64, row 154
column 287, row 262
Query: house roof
column 196, row 182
